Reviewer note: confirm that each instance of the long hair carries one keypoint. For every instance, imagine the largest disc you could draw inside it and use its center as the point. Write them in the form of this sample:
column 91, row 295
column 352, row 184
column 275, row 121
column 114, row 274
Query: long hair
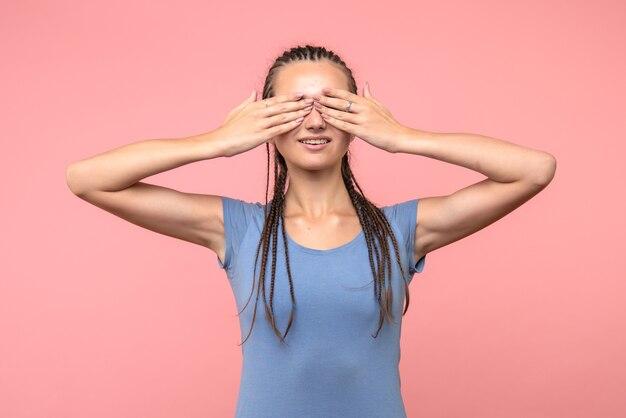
column 373, row 222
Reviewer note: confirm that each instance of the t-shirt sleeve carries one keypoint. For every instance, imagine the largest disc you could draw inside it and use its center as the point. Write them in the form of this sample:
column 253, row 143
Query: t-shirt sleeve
column 405, row 216
column 238, row 215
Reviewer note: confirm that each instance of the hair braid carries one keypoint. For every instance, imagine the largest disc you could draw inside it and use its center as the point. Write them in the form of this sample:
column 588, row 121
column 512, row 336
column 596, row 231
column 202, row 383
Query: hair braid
column 375, row 225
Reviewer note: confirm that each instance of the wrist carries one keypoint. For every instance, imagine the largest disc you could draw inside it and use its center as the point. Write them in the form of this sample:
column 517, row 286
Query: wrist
column 407, row 138
column 208, row 145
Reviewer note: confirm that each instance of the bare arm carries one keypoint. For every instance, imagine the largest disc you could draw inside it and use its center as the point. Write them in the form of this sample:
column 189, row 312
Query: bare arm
column 111, row 181
column 514, row 175
column 122, row 167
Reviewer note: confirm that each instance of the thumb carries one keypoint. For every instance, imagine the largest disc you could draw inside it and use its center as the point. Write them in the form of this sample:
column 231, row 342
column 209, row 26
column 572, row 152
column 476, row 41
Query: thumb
column 367, row 90
column 251, row 98
column 368, row 94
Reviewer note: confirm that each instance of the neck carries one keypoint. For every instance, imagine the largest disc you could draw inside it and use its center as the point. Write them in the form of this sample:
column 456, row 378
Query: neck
column 315, row 194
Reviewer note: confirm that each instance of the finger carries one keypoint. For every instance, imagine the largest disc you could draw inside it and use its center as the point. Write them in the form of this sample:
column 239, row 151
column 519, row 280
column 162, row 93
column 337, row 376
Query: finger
column 342, row 124
column 341, row 103
column 251, row 98
column 368, row 93
column 290, row 105
column 340, row 94
column 291, row 97
column 337, row 114
column 284, row 127
column 284, row 117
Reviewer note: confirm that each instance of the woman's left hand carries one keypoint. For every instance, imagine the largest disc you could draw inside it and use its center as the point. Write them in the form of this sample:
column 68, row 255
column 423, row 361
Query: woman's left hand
column 368, row 118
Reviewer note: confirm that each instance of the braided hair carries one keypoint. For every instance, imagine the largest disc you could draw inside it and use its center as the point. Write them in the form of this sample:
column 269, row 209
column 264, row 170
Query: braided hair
column 373, row 221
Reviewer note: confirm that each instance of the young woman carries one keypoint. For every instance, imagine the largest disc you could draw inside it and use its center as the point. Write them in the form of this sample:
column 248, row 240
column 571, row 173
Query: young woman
column 328, row 268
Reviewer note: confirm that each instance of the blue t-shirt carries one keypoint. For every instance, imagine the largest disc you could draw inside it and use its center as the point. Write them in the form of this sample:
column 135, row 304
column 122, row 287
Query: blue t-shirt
column 331, row 365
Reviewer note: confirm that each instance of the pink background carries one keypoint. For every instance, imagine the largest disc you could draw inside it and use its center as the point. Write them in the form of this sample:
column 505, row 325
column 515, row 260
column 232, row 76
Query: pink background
column 100, row 318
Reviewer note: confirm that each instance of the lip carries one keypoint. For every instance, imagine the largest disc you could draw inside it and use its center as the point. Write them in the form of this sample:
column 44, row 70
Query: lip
column 315, row 137
column 316, row 147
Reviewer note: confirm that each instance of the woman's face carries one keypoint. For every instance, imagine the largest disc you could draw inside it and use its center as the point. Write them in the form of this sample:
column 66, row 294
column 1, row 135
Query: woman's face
column 309, row 78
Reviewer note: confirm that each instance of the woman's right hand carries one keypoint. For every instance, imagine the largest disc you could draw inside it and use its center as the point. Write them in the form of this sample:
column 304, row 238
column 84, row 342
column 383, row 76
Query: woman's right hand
column 253, row 122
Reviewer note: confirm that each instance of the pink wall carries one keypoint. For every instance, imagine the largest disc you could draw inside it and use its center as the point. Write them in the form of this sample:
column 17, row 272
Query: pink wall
column 100, row 318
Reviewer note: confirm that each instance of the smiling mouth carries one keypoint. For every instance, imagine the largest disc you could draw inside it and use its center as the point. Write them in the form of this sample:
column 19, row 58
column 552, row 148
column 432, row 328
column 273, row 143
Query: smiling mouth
column 314, row 141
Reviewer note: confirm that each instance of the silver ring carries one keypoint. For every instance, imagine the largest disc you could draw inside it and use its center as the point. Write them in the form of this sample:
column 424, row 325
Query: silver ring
column 348, row 107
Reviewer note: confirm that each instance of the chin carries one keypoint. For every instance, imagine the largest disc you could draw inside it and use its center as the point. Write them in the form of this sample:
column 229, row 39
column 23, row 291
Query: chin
column 315, row 164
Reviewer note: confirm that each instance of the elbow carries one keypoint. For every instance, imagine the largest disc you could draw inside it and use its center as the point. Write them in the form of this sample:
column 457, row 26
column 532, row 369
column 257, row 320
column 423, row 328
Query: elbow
column 70, row 179
column 544, row 170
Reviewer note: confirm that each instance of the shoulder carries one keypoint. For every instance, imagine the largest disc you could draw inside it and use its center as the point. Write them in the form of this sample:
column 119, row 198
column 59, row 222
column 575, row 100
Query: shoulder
column 403, row 213
column 240, row 207
column 239, row 214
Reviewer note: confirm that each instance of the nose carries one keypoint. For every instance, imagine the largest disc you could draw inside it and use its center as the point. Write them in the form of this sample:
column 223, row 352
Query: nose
column 314, row 120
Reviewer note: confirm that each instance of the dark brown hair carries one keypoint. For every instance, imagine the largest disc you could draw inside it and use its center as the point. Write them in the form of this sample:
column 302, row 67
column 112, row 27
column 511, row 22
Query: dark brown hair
column 373, row 222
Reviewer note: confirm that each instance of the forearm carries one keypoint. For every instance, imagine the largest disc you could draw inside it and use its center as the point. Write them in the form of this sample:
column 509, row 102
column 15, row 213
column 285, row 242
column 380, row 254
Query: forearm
column 124, row 166
column 497, row 159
